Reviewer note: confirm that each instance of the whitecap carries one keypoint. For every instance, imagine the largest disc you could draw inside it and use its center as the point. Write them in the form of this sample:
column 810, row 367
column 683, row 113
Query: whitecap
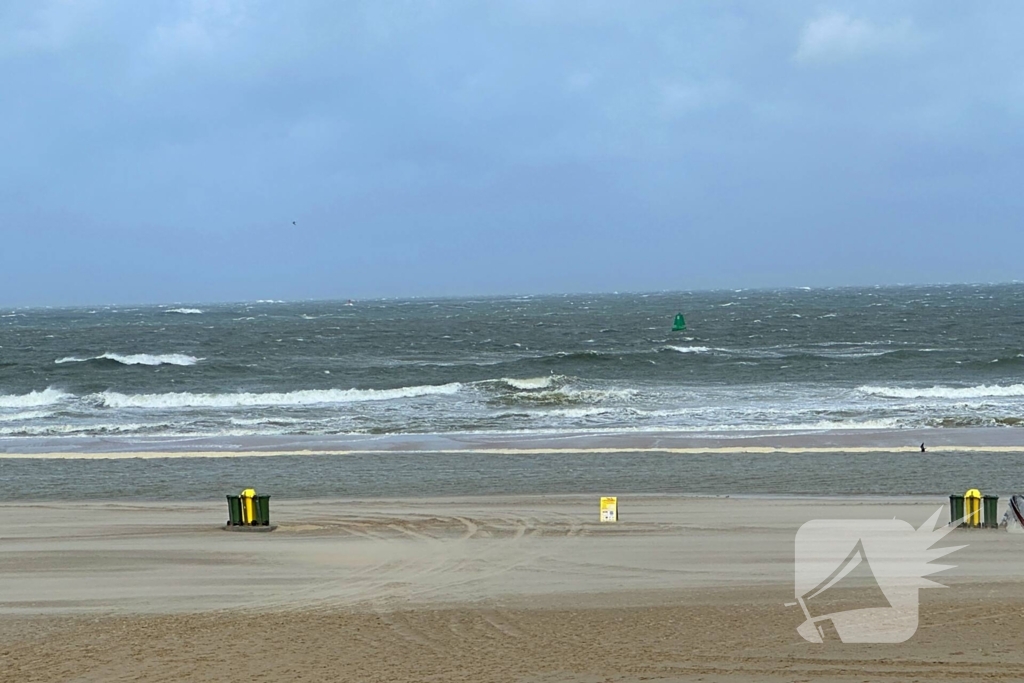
column 26, row 415
column 690, row 349
column 46, row 397
column 980, row 391
column 186, row 311
column 113, row 399
column 529, row 384
column 137, row 359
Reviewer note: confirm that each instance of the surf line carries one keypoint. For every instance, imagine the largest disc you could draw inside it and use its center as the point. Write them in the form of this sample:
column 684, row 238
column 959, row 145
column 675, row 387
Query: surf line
column 686, row 450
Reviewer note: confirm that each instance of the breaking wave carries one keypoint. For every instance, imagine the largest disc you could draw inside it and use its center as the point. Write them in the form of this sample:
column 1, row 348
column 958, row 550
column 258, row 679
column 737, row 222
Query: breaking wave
column 306, row 397
column 136, row 359
column 531, row 383
column 690, row 349
column 186, row 311
column 33, row 399
column 26, row 415
column 980, row 391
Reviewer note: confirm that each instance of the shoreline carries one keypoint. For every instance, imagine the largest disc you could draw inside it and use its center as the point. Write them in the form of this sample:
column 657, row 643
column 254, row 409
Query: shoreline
column 939, row 440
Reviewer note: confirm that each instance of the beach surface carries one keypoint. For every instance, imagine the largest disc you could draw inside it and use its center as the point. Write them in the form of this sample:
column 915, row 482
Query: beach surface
column 962, row 440
column 525, row 588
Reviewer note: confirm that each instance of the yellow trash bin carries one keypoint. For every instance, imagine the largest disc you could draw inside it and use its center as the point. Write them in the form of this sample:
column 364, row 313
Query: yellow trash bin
column 248, row 506
column 972, row 508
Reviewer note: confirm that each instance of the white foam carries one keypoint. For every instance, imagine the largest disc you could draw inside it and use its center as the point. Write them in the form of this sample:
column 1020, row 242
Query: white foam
column 77, row 429
column 187, row 311
column 25, row 415
column 530, row 383
column 46, row 397
column 113, row 399
column 572, row 413
column 980, row 391
column 137, row 359
column 690, row 349
column 597, row 395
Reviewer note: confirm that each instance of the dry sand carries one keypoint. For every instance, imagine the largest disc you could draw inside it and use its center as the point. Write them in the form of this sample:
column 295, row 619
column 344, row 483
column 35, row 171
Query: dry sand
column 491, row 589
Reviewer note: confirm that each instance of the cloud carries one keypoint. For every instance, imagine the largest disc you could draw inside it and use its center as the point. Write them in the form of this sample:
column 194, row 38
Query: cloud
column 202, row 27
column 47, row 26
column 837, row 37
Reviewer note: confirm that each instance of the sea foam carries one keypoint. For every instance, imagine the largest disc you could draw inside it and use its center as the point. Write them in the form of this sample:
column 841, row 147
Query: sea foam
column 529, row 384
column 136, row 359
column 690, row 349
column 980, row 391
column 113, row 399
column 46, row 397
column 185, row 311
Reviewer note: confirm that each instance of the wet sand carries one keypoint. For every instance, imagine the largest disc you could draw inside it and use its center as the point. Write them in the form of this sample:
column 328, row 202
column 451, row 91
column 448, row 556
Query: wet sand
column 477, row 589
column 977, row 439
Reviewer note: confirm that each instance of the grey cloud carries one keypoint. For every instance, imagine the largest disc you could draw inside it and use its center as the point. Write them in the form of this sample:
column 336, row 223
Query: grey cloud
column 160, row 150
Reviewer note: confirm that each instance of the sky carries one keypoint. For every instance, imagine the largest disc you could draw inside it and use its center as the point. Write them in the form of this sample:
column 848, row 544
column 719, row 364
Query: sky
column 225, row 150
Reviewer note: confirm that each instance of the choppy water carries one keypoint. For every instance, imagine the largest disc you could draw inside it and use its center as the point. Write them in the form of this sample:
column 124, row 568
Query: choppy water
column 777, row 360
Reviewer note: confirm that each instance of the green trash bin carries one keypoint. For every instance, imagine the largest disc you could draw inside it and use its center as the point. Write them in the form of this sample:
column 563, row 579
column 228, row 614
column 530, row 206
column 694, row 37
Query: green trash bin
column 262, row 511
column 956, row 510
column 990, row 508
column 234, row 510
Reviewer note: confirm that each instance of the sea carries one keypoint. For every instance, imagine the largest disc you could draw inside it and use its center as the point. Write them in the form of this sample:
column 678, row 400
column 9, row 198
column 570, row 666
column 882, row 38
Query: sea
column 777, row 361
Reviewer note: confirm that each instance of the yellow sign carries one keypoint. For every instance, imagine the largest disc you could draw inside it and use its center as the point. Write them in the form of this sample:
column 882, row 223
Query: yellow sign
column 609, row 509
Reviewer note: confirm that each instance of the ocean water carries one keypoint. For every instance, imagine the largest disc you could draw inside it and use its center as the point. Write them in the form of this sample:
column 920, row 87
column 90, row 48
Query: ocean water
column 796, row 360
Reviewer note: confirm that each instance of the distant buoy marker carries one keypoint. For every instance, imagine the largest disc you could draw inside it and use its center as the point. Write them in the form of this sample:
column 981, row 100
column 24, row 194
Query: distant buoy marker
column 679, row 324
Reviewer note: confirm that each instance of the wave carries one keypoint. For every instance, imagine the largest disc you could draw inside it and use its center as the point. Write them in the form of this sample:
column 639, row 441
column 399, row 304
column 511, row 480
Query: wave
column 185, row 311
column 33, row 399
column 136, row 359
column 565, row 396
column 531, row 383
column 980, row 391
column 305, row 397
column 691, row 349
column 572, row 413
column 26, row 415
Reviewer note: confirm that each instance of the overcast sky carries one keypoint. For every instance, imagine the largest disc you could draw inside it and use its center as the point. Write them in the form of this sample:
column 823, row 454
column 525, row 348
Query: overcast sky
column 160, row 151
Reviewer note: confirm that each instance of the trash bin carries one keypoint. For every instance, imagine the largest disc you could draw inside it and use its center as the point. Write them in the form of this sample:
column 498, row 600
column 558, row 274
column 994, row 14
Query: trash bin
column 956, row 509
column 972, row 508
column 248, row 506
column 234, row 511
column 262, row 511
column 990, row 504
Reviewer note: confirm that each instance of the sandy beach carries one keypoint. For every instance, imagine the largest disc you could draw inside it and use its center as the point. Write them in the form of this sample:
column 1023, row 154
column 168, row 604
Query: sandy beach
column 478, row 589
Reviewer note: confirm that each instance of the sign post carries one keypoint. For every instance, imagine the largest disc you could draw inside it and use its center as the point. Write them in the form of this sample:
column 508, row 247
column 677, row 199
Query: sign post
column 609, row 509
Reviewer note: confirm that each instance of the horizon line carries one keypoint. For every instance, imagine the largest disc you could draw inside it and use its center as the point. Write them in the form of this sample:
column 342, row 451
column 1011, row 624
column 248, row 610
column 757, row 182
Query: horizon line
column 507, row 295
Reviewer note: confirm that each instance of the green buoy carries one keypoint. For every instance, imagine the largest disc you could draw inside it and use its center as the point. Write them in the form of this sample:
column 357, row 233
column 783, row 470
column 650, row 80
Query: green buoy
column 679, row 324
